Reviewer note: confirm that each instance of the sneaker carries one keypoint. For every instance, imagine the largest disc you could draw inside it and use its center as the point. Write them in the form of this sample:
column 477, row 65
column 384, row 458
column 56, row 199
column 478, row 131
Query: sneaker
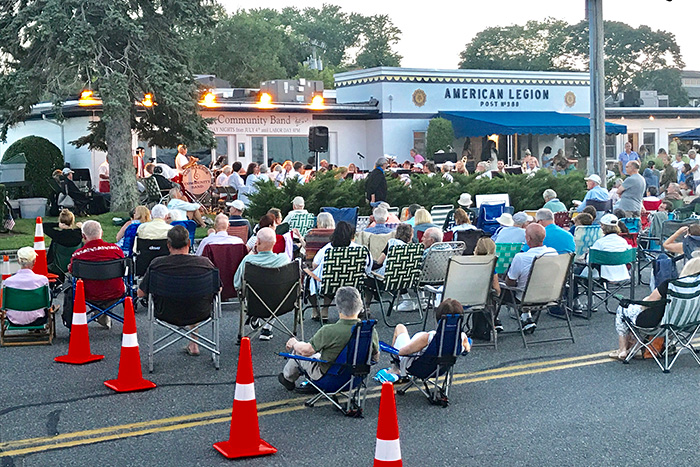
column 529, row 325
column 105, row 321
column 497, row 325
column 557, row 312
column 253, row 322
column 265, row 335
column 288, row 385
column 407, row 305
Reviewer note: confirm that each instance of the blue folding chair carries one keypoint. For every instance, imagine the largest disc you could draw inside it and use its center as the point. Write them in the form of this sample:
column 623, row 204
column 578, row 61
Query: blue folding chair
column 633, row 224
column 191, row 227
column 343, row 214
column 436, row 364
column 104, row 270
column 129, row 238
column 347, row 376
column 488, row 213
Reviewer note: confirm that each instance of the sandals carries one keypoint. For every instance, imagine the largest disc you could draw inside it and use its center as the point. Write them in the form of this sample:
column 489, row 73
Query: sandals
column 617, row 355
column 189, row 352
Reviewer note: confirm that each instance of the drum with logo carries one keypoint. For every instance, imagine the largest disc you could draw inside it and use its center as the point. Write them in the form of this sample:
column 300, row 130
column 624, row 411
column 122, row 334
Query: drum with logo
column 196, row 179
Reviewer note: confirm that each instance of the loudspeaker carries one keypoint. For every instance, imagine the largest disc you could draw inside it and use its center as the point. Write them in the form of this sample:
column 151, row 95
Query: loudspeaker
column 318, row 139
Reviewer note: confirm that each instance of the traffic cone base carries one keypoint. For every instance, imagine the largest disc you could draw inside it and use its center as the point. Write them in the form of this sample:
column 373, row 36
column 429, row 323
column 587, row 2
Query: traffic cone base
column 231, row 450
column 143, row 385
column 78, row 360
column 79, row 346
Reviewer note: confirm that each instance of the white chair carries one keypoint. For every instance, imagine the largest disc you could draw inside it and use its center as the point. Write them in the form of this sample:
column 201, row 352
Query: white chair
column 496, row 198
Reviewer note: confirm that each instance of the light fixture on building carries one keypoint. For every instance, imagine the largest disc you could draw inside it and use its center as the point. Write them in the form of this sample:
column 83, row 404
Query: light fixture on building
column 317, row 103
column 265, row 101
column 622, row 118
column 494, row 138
column 147, row 100
column 87, row 98
column 209, row 100
column 651, row 117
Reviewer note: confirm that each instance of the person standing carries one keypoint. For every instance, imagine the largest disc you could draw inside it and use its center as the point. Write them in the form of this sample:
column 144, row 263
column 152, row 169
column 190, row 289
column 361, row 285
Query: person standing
column 103, row 171
column 632, row 191
column 626, row 156
column 138, row 161
column 417, row 158
column 376, row 188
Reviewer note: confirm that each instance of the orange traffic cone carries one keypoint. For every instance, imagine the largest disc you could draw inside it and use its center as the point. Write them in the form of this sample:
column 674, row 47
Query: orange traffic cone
column 244, row 439
column 79, row 346
column 130, row 377
column 388, row 449
column 5, row 267
column 40, row 266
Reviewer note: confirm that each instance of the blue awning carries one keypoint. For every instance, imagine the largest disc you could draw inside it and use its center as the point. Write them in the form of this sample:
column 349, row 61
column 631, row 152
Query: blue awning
column 522, row 123
column 692, row 134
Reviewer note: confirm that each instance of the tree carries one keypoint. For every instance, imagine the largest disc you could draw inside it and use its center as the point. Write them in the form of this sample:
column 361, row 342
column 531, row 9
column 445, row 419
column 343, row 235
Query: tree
column 440, row 136
column 50, row 49
column 667, row 81
column 43, row 157
column 378, row 35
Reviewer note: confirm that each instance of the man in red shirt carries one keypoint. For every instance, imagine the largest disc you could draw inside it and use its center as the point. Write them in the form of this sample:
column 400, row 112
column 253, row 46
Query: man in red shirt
column 101, row 293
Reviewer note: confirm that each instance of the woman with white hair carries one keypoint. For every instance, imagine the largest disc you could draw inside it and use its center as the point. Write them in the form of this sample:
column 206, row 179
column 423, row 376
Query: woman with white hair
column 26, row 279
column 551, row 201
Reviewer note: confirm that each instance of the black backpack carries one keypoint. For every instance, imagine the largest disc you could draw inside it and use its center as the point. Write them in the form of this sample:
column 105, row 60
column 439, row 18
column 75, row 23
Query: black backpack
column 480, row 328
column 469, row 237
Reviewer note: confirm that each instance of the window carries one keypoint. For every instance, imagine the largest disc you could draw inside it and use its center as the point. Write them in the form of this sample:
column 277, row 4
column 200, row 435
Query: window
column 419, row 141
column 649, row 142
column 222, row 147
column 258, row 147
column 611, row 147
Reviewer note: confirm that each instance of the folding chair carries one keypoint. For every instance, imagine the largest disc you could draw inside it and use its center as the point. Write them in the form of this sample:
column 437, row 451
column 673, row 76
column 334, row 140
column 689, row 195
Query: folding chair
column 146, row 251
column 302, row 222
column 633, row 224
column 436, row 363
column 584, row 238
column 152, row 191
column 191, row 227
column 606, row 289
column 679, row 324
column 402, row 270
column 393, row 210
column 240, row 231
column 439, row 213
column 347, row 375
column 226, row 258
column 488, row 213
column 23, row 301
column 342, row 267
column 544, row 288
column 505, row 252
column 601, row 207
column 181, row 293
column 315, row 240
column 362, row 224
column 343, row 214
column 100, row 271
column 129, row 238
column 562, row 219
column 268, row 294
column 434, row 268
column 375, row 243
column 477, row 271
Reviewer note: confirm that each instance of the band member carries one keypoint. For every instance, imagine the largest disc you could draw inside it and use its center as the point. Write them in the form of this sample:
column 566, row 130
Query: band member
column 103, row 171
column 138, row 161
column 182, row 159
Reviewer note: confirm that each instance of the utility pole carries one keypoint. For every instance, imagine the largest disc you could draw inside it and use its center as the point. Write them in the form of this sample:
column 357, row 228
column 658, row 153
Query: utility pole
column 596, row 163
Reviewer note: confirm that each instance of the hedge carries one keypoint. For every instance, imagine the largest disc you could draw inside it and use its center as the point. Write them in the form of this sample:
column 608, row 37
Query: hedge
column 43, row 157
column 525, row 191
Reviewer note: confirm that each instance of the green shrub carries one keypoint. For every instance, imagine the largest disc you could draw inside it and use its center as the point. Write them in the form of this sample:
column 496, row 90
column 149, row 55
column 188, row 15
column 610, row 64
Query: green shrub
column 440, row 135
column 43, row 157
column 525, row 192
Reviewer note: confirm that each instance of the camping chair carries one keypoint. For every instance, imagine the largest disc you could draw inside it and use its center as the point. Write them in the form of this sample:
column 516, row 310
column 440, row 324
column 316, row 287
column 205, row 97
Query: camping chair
column 58, row 258
column 505, row 252
column 436, row 363
column 153, row 194
column 477, row 271
column 129, row 238
column 470, row 238
column 26, row 300
column 544, row 288
column 584, row 237
column 375, row 243
column 488, row 213
column 563, row 219
column 240, row 231
column 100, row 271
column 343, row 214
column 302, row 222
column 146, row 251
column 678, row 326
column 315, row 240
column 168, row 293
column 601, row 288
column 633, row 224
column 439, row 213
column 347, row 375
column 269, row 293
column 342, row 267
column 191, row 227
column 402, row 270
column 434, row 269
column 362, row 223
column 601, row 207
column 226, row 258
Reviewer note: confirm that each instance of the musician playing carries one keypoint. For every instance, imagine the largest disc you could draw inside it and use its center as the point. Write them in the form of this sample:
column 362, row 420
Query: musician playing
column 182, row 160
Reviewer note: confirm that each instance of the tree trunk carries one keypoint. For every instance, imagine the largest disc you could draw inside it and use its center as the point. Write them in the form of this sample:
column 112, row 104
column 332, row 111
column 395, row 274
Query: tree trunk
column 117, row 118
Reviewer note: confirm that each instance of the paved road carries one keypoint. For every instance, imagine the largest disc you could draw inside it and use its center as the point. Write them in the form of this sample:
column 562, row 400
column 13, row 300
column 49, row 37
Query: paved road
column 553, row 404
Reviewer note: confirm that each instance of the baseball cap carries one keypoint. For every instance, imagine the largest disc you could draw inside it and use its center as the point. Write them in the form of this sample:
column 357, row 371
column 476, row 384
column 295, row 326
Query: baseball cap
column 609, row 219
column 594, row 178
column 67, row 171
column 519, row 218
column 237, row 204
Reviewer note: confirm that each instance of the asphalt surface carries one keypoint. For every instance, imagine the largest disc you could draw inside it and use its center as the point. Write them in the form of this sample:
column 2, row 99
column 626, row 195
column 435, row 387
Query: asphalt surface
column 553, row 404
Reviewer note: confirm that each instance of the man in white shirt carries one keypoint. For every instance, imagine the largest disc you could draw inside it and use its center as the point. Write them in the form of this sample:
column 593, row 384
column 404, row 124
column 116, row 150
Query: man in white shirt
column 181, row 159
column 186, row 210
column 678, row 165
column 234, row 180
column 219, row 236
column 103, row 173
column 519, row 270
column 222, row 179
column 297, row 208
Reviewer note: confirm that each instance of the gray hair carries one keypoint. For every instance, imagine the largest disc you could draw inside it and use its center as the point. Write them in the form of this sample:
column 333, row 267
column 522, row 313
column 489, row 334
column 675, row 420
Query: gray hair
column 325, row 221
column 263, row 169
column 549, row 194
column 435, row 233
column 380, row 215
column 544, row 214
column 381, row 161
column 92, row 230
column 348, row 301
column 159, row 211
column 175, row 192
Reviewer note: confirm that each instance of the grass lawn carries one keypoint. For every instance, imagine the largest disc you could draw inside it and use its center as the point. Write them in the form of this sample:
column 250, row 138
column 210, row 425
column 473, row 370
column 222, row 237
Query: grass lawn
column 23, row 233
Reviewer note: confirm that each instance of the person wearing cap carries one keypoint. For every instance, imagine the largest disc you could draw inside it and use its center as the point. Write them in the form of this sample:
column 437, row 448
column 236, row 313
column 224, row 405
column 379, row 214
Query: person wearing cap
column 610, row 242
column 236, row 218
column 93, row 202
column 595, row 192
column 26, row 279
column 557, row 238
column 513, row 228
column 551, row 201
column 465, row 202
column 376, row 188
column 220, row 236
column 297, row 208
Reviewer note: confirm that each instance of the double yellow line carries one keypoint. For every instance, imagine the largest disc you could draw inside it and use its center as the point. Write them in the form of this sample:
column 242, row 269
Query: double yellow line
column 116, row 432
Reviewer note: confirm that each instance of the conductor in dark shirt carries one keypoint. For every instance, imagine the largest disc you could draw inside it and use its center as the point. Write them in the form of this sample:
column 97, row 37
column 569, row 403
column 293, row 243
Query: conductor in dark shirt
column 376, row 183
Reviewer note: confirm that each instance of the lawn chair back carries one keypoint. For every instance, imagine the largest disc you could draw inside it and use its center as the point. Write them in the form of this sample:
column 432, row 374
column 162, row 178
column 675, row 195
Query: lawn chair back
column 362, row 223
column 100, row 270
column 442, row 351
column 488, row 213
column 403, row 263
column 240, row 231
column 375, row 243
column 343, row 214
column 633, row 224
column 562, row 219
column 600, row 206
column 436, row 261
column 683, row 309
column 262, row 299
column 612, row 258
column 439, row 213
column 129, row 239
column 585, row 236
column 183, row 290
column 343, row 266
column 59, row 258
column 477, row 272
column 546, row 281
column 191, row 227
column 25, row 300
column 353, row 361
column 302, row 222
column 393, row 210
column 226, row 258
column 147, row 251
column 315, row 240
column 505, row 252
column 470, row 238
column 152, row 190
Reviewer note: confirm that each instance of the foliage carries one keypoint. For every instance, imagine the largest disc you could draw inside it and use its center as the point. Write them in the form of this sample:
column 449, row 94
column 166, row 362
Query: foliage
column 632, row 55
column 43, row 157
column 377, row 38
column 525, row 192
column 326, row 75
column 440, row 136
column 666, row 81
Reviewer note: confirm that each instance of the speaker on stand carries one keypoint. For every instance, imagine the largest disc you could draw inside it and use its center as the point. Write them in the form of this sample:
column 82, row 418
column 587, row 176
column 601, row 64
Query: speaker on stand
column 318, row 141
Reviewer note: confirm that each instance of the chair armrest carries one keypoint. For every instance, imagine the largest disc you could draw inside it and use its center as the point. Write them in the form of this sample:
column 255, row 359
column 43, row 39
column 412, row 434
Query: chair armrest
column 384, row 347
column 378, row 276
column 625, row 302
column 433, row 290
column 510, row 287
column 53, row 309
column 300, row 357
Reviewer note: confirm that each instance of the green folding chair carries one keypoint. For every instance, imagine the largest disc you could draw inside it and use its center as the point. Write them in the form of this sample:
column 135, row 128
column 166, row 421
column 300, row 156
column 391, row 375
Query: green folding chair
column 25, row 301
column 302, row 222
column 601, row 288
column 505, row 253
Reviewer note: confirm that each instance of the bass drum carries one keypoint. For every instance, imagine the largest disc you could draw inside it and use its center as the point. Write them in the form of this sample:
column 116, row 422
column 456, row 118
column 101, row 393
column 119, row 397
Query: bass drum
column 196, row 179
